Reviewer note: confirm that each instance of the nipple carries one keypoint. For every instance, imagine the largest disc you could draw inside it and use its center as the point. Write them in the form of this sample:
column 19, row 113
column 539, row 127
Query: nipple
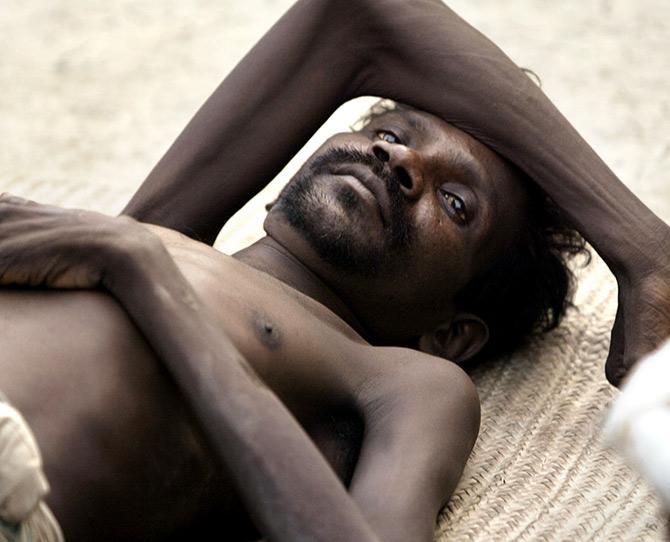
column 267, row 331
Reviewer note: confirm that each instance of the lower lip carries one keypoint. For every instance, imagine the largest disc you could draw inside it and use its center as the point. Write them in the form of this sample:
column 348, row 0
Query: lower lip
column 363, row 192
column 359, row 187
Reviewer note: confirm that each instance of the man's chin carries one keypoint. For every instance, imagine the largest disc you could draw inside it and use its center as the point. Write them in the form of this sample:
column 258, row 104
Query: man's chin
column 325, row 243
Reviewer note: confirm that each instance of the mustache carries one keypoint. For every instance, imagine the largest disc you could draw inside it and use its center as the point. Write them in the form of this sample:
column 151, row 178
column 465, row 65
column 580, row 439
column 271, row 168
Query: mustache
column 402, row 230
column 349, row 155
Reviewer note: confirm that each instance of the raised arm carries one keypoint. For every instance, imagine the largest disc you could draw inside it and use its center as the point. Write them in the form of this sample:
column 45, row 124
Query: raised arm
column 452, row 70
column 256, row 120
column 290, row 491
column 323, row 52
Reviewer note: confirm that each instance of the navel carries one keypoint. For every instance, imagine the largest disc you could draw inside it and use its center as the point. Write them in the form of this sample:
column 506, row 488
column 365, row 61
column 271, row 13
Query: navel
column 266, row 330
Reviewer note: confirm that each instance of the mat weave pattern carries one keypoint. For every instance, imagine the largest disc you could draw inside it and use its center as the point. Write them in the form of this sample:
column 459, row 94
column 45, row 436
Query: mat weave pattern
column 539, row 470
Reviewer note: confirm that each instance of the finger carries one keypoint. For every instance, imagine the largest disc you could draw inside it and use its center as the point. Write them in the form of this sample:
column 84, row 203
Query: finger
column 614, row 366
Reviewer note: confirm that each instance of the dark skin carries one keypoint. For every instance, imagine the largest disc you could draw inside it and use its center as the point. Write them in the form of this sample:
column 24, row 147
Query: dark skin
column 253, row 359
column 425, row 409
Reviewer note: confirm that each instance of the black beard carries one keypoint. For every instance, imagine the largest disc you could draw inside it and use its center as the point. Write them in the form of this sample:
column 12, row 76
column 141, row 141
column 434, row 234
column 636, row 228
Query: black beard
column 333, row 242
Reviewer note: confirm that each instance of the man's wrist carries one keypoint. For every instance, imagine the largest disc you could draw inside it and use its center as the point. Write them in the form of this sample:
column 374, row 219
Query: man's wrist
column 131, row 252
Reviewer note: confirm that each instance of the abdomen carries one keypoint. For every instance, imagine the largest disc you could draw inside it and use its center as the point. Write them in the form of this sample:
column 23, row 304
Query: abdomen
column 120, row 449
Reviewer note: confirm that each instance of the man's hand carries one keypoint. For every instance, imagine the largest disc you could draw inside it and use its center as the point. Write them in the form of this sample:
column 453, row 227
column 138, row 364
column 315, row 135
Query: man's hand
column 241, row 418
column 48, row 246
column 642, row 320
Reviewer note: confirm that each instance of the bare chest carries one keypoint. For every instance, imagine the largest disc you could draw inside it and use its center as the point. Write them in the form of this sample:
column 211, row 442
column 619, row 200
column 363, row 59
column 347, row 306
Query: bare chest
column 309, row 357
column 301, row 349
column 119, row 426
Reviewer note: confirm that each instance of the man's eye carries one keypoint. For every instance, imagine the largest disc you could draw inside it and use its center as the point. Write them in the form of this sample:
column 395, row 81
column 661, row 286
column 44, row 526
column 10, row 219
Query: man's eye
column 456, row 206
column 388, row 136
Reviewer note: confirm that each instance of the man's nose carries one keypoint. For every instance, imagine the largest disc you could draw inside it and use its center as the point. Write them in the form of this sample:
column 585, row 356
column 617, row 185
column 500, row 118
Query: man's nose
column 405, row 163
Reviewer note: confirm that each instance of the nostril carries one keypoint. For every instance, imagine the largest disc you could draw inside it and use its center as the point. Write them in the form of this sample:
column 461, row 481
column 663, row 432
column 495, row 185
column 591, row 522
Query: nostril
column 381, row 154
column 403, row 177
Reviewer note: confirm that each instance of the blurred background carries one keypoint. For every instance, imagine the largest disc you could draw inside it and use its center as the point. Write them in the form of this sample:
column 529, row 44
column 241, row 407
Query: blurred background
column 92, row 93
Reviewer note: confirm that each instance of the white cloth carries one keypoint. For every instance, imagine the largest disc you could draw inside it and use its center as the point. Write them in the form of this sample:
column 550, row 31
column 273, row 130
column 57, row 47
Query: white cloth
column 638, row 425
column 22, row 481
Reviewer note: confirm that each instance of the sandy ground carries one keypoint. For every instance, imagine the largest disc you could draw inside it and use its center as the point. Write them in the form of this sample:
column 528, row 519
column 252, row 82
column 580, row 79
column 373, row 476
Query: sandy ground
column 92, row 93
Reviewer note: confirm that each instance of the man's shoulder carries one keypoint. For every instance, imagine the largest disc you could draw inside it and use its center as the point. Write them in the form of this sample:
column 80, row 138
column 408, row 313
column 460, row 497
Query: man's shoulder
column 409, row 365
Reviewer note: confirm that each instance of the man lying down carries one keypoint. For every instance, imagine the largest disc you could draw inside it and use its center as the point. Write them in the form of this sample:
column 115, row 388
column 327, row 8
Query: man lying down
column 372, row 242
column 178, row 391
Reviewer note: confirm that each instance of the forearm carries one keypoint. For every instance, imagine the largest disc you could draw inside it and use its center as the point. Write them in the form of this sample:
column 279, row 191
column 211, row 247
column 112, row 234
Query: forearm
column 289, row 489
column 465, row 79
column 420, row 53
column 261, row 114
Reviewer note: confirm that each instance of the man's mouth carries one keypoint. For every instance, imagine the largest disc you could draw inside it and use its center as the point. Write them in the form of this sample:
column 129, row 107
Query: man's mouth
column 369, row 183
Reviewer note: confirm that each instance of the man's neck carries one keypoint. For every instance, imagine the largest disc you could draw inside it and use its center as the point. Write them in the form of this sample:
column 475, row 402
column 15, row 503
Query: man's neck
column 271, row 257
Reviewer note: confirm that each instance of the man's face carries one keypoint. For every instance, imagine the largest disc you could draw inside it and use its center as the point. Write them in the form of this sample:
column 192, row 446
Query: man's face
column 399, row 216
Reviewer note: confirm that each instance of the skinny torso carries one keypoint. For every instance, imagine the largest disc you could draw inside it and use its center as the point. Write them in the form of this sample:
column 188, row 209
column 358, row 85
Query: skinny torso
column 122, row 452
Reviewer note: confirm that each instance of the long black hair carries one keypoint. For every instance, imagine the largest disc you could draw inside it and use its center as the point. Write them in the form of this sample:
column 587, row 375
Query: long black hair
column 528, row 289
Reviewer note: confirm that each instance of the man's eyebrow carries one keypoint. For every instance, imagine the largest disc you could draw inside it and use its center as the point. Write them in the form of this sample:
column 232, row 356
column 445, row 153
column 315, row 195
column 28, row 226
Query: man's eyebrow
column 415, row 120
column 470, row 168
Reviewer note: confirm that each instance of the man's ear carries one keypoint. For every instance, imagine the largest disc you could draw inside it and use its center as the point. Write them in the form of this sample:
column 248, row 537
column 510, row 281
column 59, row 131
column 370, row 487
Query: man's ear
column 458, row 340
